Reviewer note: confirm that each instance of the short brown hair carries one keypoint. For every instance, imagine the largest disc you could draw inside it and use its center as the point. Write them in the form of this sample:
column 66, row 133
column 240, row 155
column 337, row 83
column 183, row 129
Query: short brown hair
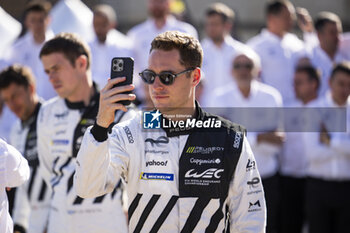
column 70, row 45
column 312, row 73
column 275, row 7
column 218, row 8
column 38, row 6
column 341, row 67
column 20, row 75
column 107, row 11
column 191, row 53
column 325, row 17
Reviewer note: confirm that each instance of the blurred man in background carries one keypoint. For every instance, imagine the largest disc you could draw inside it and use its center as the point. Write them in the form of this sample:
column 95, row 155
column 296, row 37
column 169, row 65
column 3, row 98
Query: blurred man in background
column 251, row 100
column 17, row 89
column 108, row 43
column 160, row 20
column 323, row 56
column 279, row 49
column 294, row 162
column 328, row 151
column 25, row 50
column 61, row 125
column 219, row 48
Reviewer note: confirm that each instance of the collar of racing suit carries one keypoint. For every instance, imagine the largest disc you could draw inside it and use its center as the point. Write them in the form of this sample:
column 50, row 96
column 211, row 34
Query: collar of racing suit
column 176, row 131
column 33, row 117
column 80, row 105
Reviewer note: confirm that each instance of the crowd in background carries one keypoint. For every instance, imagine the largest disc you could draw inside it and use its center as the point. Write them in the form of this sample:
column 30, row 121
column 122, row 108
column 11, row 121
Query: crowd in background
column 306, row 175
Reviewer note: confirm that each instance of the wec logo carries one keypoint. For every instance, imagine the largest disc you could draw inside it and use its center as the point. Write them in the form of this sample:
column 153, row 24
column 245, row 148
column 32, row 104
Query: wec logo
column 209, row 173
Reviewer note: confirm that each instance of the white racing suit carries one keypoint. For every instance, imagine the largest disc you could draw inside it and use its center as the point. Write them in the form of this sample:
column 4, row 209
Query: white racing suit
column 195, row 180
column 61, row 125
column 32, row 199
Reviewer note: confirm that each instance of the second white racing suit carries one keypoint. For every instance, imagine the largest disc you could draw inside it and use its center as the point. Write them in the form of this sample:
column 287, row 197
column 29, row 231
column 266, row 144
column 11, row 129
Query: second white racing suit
column 61, row 125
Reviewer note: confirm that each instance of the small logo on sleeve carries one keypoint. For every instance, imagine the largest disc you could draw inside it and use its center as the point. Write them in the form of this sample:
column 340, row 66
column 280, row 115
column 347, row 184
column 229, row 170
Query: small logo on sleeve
column 156, row 176
column 237, row 141
column 254, row 182
column 250, row 165
column 254, row 206
column 128, row 134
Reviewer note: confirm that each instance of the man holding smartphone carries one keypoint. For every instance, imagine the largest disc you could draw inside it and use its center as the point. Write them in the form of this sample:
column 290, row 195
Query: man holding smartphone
column 196, row 175
column 62, row 122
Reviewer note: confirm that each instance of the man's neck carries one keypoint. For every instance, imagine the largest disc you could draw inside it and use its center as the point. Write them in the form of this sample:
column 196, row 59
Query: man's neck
column 330, row 52
column 308, row 99
column 84, row 92
column 160, row 22
column 339, row 102
column 39, row 38
column 31, row 111
column 245, row 90
column 102, row 41
column 276, row 32
column 218, row 42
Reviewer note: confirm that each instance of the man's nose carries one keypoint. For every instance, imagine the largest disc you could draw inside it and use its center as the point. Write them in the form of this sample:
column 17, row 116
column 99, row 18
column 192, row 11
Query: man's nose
column 157, row 83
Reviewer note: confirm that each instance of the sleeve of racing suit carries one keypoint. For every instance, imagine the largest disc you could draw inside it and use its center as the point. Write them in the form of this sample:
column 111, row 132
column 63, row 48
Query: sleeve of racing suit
column 97, row 172
column 21, row 209
column 15, row 167
column 246, row 195
column 43, row 142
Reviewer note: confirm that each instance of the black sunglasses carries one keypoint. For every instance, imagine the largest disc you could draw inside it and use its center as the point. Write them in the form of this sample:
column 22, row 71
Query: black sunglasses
column 248, row 66
column 166, row 77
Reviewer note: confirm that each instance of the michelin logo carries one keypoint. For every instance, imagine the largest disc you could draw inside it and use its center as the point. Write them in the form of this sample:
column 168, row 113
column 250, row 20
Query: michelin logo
column 156, row 176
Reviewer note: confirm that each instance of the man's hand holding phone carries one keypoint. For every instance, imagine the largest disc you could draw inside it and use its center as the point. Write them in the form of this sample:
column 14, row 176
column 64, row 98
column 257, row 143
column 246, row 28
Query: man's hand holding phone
column 110, row 95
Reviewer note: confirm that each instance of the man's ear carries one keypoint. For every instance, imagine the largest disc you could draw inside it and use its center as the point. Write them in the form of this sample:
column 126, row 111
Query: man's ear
column 196, row 76
column 32, row 89
column 81, row 62
column 228, row 27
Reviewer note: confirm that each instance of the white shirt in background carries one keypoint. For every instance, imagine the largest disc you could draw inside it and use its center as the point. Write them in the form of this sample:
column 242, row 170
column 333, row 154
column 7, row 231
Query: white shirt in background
column 7, row 119
column 14, row 171
column 344, row 46
column 330, row 162
column 323, row 63
column 217, row 65
column 10, row 28
column 142, row 35
column 264, row 98
column 25, row 51
column 279, row 57
column 116, row 45
column 294, row 159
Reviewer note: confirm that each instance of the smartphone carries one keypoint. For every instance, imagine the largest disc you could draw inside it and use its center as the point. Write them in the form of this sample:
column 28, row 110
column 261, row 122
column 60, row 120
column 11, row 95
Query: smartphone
column 123, row 67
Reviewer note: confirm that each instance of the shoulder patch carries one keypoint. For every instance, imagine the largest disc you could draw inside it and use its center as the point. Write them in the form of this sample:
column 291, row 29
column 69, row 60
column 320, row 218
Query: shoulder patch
column 128, row 134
